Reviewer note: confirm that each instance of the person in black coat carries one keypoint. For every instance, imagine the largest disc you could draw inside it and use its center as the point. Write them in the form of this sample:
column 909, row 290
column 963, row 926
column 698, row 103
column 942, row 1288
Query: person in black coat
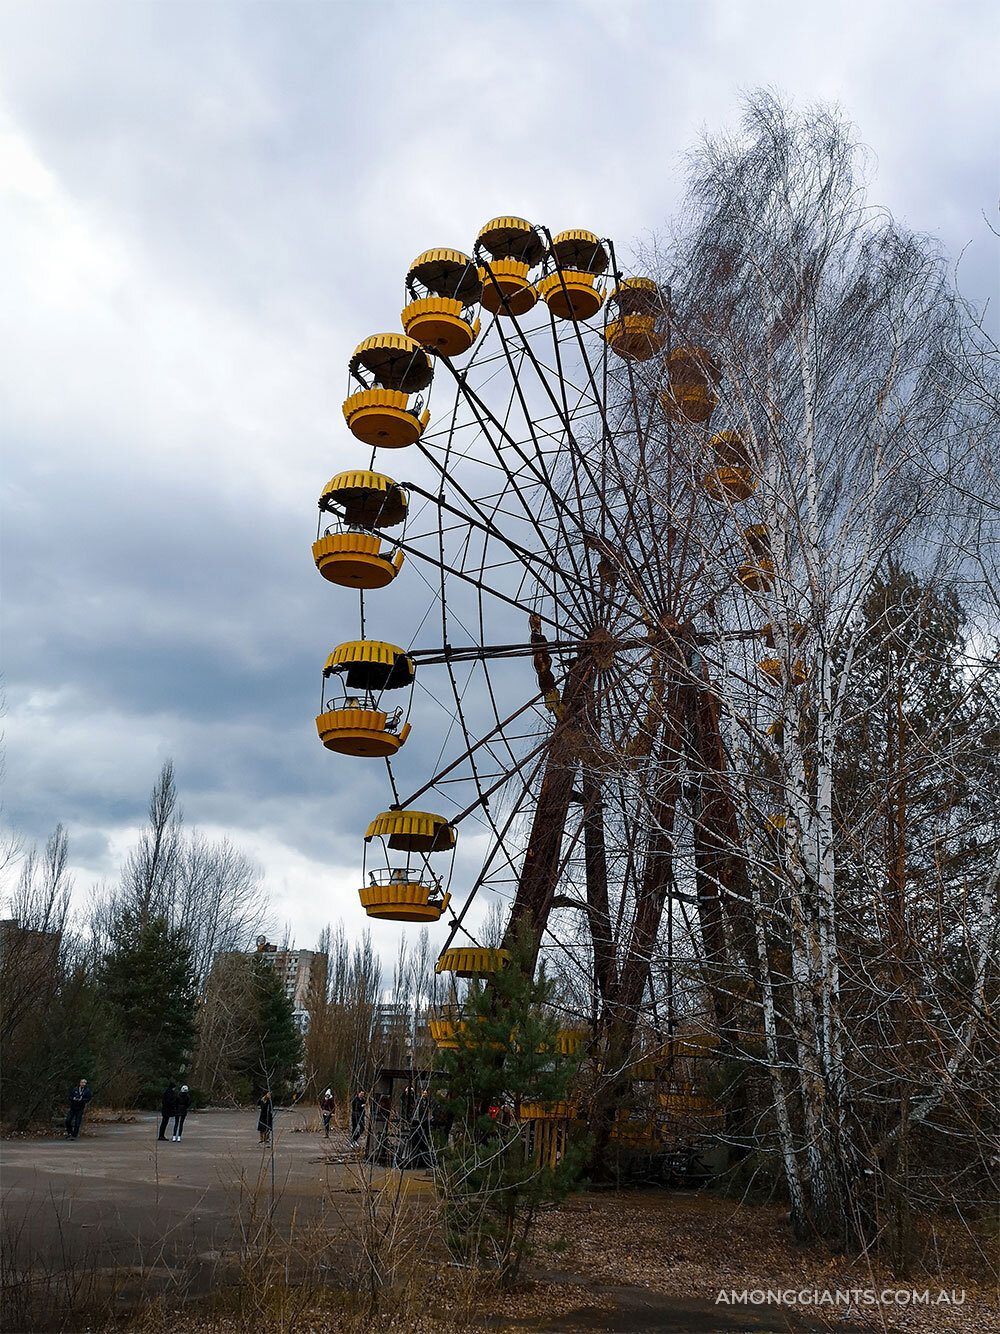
column 79, row 1096
column 357, row 1116
column 167, row 1109
column 181, row 1110
column 265, row 1118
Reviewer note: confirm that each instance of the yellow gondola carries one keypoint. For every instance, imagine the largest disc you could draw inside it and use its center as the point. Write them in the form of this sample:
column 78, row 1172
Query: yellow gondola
column 633, row 334
column 472, row 962
column 394, row 897
column 443, row 286
column 444, row 1029
column 413, row 831
column 356, row 724
column 572, row 1039
column 580, row 250
column 758, row 573
column 732, row 478
column 634, row 337
column 757, row 576
column 365, row 501
column 513, row 248
column 380, row 413
column 692, row 374
column 774, row 669
column 355, row 560
column 409, row 893
column 571, row 292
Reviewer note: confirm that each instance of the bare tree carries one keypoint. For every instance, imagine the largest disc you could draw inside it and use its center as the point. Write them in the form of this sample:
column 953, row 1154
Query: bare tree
column 837, row 344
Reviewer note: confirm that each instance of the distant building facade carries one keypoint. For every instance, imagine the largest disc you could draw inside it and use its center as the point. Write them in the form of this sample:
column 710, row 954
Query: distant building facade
column 303, row 973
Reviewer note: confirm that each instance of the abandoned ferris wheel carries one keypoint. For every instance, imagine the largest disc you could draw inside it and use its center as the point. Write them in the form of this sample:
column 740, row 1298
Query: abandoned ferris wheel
column 555, row 510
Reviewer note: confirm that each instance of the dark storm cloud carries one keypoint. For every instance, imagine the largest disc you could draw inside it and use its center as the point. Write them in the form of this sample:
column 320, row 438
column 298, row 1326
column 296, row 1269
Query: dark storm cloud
column 205, row 207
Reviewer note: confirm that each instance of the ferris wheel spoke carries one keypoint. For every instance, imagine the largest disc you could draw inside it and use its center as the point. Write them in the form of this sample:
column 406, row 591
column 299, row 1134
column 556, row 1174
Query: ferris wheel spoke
column 533, row 559
column 485, row 417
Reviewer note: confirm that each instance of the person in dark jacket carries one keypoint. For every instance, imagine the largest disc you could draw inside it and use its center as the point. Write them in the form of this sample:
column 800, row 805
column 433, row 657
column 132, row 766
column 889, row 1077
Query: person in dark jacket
column 181, row 1110
column 167, row 1109
column 407, row 1102
column 265, row 1119
column 79, row 1096
column 357, row 1116
column 327, row 1107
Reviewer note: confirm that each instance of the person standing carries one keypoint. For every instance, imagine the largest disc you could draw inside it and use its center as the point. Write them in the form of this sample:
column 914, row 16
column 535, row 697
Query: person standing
column 357, row 1116
column 181, row 1110
column 167, row 1109
column 265, row 1118
column 407, row 1102
column 79, row 1096
column 327, row 1106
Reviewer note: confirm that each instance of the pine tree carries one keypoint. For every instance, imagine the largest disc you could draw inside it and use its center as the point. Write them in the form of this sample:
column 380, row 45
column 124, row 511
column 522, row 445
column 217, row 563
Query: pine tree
column 147, row 991
column 507, row 1057
column 917, row 765
column 272, row 1056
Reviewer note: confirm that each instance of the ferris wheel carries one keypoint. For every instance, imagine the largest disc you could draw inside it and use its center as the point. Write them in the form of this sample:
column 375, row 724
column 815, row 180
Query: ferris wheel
column 535, row 459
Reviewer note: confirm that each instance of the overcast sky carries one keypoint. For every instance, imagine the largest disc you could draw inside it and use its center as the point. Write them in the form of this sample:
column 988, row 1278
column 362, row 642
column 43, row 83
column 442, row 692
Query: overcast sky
column 205, row 205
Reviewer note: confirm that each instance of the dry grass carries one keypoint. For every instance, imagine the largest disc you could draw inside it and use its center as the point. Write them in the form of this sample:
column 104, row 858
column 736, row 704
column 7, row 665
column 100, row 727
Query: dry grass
column 381, row 1267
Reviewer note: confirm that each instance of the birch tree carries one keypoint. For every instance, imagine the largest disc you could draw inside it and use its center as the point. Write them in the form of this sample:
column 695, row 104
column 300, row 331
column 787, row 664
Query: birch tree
column 839, row 348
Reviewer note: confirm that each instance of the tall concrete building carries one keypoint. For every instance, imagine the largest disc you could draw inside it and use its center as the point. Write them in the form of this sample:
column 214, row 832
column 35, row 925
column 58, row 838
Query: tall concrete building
column 303, row 973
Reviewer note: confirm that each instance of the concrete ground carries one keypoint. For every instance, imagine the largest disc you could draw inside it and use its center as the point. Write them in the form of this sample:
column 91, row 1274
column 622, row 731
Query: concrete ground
column 118, row 1197
column 119, row 1209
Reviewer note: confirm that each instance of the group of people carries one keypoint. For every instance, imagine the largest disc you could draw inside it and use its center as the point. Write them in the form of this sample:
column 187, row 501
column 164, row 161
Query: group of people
column 413, row 1148
column 175, row 1104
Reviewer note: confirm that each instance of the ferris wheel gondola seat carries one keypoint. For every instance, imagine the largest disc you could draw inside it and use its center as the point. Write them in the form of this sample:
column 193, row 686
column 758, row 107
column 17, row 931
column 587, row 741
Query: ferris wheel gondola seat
column 580, row 250
column 692, row 365
column 439, row 322
column 360, row 732
column 446, row 273
column 690, row 402
column 471, row 962
column 394, row 361
column 382, row 417
column 634, row 337
column 355, row 560
column 634, row 1134
column 507, row 289
column 638, row 296
column 774, row 669
column 511, row 238
column 404, row 901
column 729, row 451
column 413, row 831
column 570, row 1040
column 444, row 1027
column 571, row 294
column 730, row 483
column 367, row 499
column 758, row 539
column 757, row 577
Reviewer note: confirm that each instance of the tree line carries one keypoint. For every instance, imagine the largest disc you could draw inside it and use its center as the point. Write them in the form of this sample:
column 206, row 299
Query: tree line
column 156, row 977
